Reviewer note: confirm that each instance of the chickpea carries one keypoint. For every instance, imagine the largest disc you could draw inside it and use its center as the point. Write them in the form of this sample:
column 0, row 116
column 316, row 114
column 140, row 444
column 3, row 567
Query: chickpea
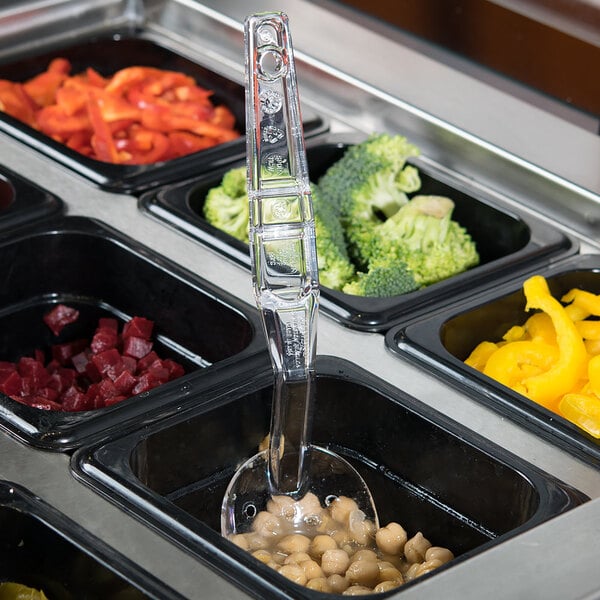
column 310, row 505
column 295, row 573
column 357, row 590
column 364, row 554
column 312, row 570
column 341, row 508
column 327, row 525
column 341, row 537
column 388, row 572
column 363, row 572
column 320, row 543
column 337, row 583
column 391, row 538
column 334, row 562
column 427, row 567
column 319, row 584
column 410, row 573
column 386, row 586
column 263, row 555
column 257, row 541
column 437, row 553
column 282, row 506
column 295, row 542
column 296, row 558
column 267, row 524
column 416, row 547
column 360, row 529
column 240, row 541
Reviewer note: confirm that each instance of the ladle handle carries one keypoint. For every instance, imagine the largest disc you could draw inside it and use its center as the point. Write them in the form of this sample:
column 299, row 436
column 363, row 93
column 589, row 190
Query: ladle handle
column 282, row 236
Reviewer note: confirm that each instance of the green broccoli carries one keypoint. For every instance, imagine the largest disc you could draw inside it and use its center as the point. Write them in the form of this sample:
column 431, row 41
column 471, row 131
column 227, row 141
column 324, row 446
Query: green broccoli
column 368, row 185
column 383, row 279
column 335, row 268
column 227, row 207
column 423, row 235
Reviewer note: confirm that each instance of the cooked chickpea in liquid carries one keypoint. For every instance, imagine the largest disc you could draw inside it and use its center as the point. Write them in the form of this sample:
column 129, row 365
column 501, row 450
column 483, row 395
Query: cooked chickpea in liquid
column 335, row 549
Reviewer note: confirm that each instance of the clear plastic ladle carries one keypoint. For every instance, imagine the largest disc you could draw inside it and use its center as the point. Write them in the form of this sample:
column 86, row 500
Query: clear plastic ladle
column 286, row 286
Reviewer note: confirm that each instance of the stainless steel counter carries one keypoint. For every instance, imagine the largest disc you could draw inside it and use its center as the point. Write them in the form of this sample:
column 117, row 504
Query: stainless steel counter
column 514, row 156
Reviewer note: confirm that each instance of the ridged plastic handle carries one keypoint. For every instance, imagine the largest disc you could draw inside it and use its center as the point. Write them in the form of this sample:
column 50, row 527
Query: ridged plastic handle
column 282, row 232
column 282, row 241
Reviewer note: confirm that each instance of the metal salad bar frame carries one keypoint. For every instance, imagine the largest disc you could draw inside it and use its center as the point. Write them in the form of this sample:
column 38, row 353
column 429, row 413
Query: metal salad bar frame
column 354, row 82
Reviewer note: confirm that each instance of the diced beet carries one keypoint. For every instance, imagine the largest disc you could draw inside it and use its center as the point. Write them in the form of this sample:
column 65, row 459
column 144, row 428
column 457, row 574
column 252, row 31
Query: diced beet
column 48, row 393
column 107, row 359
column 75, row 400
column 124, row 382
column 144, row 363
column 136, row 346
column 129, row 363
column 175, row 369
column 107, row 389
column 64, row 352
column 108, row 323
column 104, row 339
column 59, row 317
column 39, row 356
column 146, row 381
column 114, row 400
column 80, row 360
column 138, row 327
column 92, row 372
column 12, row 385
column 53, row 366
column 159, row 371
column 42, row 403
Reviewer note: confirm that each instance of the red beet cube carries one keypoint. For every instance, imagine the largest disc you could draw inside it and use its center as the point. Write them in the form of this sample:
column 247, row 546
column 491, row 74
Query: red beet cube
column 106, row 360
column 12, row 385
column 59, row 317
column 48, row 393
column 64, row 352
column 114, row 400
column 144, row 363
column 124, row 382
column 109, row 324
column 104, row 339
column 75, row 400
column 138, row 327
column 136, row 346
column 175, row 369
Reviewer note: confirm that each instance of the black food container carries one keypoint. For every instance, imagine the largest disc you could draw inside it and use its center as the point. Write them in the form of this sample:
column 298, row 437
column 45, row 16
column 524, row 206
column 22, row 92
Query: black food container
column 508, row 239
column 107, row 54
column 443, row 340
column 425, row 471
column 43, row 549
column 88, row 266
column 22, row 201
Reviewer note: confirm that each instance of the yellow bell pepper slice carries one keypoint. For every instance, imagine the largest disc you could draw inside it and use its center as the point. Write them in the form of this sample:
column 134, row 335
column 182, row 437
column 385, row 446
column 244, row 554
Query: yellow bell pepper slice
column 540, row 328
column 583, row 410
column 480, row 355
column 585, row 301
column 547, row 388
column 588, row 330
column 512, row 363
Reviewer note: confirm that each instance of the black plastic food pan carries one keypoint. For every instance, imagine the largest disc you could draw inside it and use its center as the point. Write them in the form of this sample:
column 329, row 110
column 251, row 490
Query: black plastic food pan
column 425, row 471
column 507, row 239
column 22, row 201
column 108, row 54
column 443, row 340
column 43, row 549
column 86, row 265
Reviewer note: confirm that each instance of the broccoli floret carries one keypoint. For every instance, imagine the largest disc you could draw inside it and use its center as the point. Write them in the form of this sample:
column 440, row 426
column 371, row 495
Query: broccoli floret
column 335, row 268
column 227, row 206
column 383, row 279
column 368, row 185
column 423, row 235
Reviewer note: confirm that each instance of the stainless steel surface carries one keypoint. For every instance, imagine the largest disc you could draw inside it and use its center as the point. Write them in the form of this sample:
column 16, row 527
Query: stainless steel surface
column 449, row 116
